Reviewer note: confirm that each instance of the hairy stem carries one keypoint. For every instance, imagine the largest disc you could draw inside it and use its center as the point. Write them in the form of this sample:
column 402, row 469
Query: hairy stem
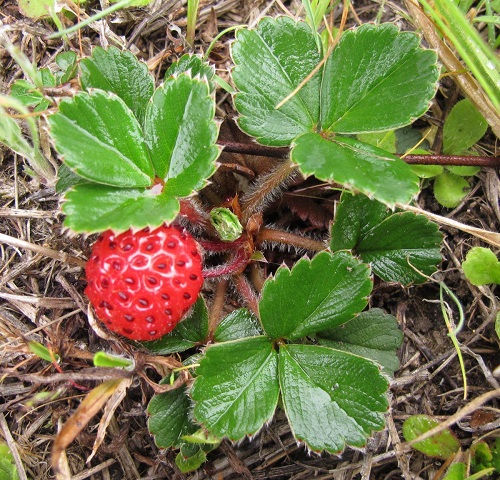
column 280, row 236
column 217, row 307
column 267, row 188
column 247, row 292
column 237, row 262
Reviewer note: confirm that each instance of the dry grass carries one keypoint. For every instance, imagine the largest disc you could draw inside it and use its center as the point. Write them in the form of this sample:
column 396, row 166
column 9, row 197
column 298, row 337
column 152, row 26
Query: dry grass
column 41, row 299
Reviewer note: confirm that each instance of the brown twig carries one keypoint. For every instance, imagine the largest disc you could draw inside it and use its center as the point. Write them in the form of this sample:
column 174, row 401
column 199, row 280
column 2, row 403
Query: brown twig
column 48, row 252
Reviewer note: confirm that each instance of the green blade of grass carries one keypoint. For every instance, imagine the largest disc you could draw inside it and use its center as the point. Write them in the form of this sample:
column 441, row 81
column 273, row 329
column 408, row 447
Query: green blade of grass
column 477, row 55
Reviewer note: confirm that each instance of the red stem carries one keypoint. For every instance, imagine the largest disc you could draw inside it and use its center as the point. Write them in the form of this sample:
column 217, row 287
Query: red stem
column 282, row 152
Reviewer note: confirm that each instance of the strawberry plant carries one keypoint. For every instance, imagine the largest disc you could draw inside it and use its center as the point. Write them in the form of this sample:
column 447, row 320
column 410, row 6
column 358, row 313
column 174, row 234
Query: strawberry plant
column 137, row 160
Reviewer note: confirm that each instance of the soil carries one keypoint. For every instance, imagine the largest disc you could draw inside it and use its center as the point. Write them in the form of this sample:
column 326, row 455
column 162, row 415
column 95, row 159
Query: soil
column 42, row 283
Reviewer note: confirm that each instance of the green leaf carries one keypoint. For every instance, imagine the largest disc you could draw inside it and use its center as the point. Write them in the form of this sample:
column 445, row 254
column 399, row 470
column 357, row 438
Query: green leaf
column 427, row 171
column 373, row 334
column 238, row 324
column 181, row 133
column 36, row 8
column 101, row 140
column 119, row 72
column 315, row 295
column 203, row 437
column 67, row 62
column 103, row 359
column 42, row 351
column 384, row 140
column 377, row 78
column 190, row 457
column 236, row 388
column 66, row 179
column 463, row 171
column 331, row 398
column 93, row 208
column 169, row 417
column 8, row 469
column 463, row 128
column 407, row 138
column 48, row 78
column 450, row 189
column 270, row 62
column 397, row 245
column 356, row 165
column 457, row 471
column 26, row 93
column 192, row 331
column 441, row 445
column 195, row 66
column 481, row 456
column 226, row 224
column 481, row 266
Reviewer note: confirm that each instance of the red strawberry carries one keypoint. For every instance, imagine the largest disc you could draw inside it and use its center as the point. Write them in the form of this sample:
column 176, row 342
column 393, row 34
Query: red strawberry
column 141, row 284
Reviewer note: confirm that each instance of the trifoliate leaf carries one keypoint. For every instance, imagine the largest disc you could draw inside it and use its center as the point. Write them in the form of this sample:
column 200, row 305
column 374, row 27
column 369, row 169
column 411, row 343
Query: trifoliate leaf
column 169, row 417
column 120, row 72
column 463, row 128
column 181, row 133
column 270, row 62
column 481, row 266
column 373, row 334
column 93, row 208
column 331, row 398
column 377, row 78
column 236, row 388
column 356, row 165
column 101, row 140
column 192, row 331
column 397, row 245
column 315, row 295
